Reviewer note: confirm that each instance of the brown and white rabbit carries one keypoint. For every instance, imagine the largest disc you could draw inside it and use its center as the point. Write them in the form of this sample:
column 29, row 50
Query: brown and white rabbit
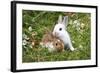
column 52, row 43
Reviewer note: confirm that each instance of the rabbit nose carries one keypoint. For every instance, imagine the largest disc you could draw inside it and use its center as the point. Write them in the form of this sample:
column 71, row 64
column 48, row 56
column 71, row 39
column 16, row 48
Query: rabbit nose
column 56, row 34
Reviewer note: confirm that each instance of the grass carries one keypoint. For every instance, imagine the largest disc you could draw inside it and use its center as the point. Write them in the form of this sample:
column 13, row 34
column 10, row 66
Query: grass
column 78, row 28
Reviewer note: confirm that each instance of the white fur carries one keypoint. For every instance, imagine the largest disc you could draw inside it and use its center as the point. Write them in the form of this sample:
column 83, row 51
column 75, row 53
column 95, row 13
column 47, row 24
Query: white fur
column 48, row 45
column 63, row 34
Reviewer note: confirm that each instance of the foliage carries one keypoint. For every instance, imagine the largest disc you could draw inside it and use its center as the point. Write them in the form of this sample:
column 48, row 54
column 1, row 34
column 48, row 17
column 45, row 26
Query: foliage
column 78, row 28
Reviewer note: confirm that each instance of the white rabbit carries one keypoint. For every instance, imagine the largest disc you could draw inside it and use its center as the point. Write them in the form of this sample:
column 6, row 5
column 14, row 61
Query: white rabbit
column 60, row 32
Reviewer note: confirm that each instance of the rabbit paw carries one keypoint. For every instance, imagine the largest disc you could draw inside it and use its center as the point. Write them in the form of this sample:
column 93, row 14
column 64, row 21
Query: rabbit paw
column 72, row 49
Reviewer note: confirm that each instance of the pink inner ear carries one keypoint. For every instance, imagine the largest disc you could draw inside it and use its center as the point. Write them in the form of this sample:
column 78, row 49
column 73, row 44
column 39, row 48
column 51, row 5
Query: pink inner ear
column 65, row 20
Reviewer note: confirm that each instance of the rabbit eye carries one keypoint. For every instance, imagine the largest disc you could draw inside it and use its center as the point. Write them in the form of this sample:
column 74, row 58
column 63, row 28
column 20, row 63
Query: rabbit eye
column 60, row 29
column 56, row 44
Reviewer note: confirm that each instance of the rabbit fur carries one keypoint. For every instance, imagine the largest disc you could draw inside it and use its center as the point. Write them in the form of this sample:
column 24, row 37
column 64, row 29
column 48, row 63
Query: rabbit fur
column 60, row 32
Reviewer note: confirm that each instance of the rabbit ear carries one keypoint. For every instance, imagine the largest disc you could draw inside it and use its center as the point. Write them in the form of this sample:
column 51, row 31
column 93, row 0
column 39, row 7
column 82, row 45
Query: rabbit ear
column 60, row 19
column 65, row 20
